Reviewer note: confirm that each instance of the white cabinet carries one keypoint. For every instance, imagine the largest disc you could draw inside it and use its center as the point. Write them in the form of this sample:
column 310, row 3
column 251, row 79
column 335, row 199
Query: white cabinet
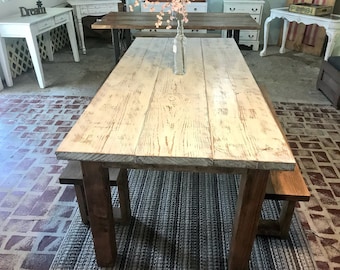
column 83, row 8
column 255, row 9
column 192, row 7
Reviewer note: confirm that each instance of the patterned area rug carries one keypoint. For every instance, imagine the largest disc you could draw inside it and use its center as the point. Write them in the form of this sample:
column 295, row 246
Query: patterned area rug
column 183, row 221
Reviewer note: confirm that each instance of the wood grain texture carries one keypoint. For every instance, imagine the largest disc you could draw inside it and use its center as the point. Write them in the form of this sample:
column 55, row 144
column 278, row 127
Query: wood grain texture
column 146, row 20
column 287, row 185
column 214, row 115
column 284, row 185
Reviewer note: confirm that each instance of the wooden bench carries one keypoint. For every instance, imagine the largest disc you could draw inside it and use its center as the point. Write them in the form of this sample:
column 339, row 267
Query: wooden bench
column 72, row 174
column 287, row 186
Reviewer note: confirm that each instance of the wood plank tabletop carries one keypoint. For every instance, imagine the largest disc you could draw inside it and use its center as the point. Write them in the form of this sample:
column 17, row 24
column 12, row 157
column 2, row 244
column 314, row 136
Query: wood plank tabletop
column 208, row 21
column 214, row 115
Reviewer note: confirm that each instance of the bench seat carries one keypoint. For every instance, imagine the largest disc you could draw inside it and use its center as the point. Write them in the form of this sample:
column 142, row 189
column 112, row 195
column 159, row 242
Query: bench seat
column 288, row 187
column 72, row 175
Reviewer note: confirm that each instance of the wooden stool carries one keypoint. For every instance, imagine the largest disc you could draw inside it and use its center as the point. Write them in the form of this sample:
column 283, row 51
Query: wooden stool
column 72, row 174
column 329, row 80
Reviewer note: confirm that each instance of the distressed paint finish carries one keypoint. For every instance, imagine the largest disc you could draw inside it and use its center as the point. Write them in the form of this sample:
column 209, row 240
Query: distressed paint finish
column 214, row 115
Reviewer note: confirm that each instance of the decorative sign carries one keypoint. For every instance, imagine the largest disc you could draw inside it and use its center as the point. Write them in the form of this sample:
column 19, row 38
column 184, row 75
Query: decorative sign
column 33, row 11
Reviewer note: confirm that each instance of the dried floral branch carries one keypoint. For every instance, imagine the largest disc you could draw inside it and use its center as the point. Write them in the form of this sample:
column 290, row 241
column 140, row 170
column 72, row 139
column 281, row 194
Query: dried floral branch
column 176, row 9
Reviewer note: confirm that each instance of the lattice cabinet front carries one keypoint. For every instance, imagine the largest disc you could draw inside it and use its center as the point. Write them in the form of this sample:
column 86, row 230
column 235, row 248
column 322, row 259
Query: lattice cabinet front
column 18, row 53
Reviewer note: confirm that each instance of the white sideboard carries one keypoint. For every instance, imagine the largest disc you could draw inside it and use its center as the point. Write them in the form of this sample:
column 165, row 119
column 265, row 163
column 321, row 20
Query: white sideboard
column 194, row 6
column 83, row 8
column 254, row 8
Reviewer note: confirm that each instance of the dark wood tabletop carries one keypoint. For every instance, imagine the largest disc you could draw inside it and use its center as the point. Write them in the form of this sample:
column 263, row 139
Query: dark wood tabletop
column 207, row 21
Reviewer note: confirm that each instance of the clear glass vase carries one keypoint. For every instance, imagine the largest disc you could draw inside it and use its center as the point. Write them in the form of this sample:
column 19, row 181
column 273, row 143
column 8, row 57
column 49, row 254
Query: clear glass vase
column 179, row 49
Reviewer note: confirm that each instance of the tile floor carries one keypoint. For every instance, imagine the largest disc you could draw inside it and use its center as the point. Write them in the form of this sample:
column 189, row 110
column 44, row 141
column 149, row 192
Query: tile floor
column 35, row 210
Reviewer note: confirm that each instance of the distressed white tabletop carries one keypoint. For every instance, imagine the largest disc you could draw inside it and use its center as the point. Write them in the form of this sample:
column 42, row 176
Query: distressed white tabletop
column 213, row 116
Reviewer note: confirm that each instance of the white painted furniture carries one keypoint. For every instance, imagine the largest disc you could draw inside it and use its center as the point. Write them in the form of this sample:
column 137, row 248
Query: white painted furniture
column 330, row 23
column 255, row 9
column 30, row 27
column 83, row 8
column 194, row 6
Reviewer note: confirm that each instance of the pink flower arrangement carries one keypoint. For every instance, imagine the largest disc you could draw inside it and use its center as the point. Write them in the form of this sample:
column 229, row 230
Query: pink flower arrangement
column 176, row 9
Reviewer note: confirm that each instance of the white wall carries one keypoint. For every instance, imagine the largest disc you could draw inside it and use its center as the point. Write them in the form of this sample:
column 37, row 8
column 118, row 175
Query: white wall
column 8, row 7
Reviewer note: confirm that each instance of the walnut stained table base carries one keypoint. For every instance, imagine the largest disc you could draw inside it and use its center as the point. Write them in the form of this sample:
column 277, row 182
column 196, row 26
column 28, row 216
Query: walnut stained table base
column 245, row 227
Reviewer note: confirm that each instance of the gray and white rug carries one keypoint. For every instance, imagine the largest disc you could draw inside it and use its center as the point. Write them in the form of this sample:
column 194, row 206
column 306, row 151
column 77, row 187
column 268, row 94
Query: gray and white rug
column 183, row 221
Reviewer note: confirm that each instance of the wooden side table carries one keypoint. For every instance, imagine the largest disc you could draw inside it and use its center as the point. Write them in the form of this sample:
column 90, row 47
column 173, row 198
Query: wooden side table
column 30, row 27
column 83, row 8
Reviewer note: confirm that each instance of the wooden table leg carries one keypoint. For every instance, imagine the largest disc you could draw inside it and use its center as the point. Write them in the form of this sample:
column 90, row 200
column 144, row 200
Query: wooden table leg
column 115, row 43
column 249, row 205
column 98, row 197
column 237, row 36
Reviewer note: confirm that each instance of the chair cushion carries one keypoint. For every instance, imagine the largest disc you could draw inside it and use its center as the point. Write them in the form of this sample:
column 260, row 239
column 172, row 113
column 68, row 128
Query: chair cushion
column 335, row 61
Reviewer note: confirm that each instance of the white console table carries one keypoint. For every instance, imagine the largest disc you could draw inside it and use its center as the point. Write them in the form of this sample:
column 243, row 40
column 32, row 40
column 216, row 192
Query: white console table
column 331, row 24
column 84, row 8
column 29, row 27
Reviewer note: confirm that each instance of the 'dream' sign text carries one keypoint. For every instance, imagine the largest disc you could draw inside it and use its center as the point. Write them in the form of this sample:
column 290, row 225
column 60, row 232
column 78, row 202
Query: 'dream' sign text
column 31, row 11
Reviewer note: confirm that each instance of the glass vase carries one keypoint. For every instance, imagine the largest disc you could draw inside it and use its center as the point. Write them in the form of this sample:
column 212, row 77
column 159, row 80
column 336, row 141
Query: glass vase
column 179, row 49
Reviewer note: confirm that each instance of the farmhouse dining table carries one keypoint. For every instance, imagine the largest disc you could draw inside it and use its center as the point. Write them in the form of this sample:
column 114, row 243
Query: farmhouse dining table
column 116, row 21
column 213, row 118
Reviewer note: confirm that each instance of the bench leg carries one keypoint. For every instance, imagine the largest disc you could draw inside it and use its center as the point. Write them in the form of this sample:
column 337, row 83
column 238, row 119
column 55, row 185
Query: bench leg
column 80, row 193
column 124, row 197
column 278, row 228
column 123, row 214
column 286, row 215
